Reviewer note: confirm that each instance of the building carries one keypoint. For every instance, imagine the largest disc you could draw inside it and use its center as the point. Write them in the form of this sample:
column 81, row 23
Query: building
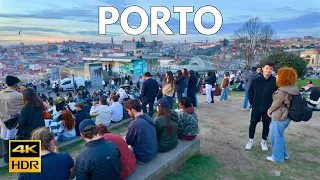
column 311, row 56
column 129, row 46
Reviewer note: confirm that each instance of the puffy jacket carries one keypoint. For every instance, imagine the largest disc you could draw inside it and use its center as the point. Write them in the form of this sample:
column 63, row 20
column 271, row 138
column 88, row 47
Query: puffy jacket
column 167, row 142
column 101, row 160
column 188, row 124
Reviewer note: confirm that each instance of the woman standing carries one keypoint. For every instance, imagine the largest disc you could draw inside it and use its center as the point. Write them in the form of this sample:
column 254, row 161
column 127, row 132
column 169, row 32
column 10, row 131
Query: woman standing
column 68, row 126
column 214, row 82
column 168, row 87
column 180, row 84
column 225, row 87
column 31, row 116
column 186, row 81
column 166, row 124
column 192, row 88
column 286, row 79
column 208, row 82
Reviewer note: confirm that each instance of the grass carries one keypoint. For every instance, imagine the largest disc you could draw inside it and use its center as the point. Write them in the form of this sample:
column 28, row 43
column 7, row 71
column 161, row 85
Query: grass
column 198, row 167
column 304, row 82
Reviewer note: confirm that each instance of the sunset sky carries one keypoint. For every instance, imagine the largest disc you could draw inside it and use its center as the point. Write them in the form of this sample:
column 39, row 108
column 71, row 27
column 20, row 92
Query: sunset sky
column 44, row 21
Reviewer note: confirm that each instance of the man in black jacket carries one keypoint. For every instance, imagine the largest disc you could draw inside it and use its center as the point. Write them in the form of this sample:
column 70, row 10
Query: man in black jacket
column 80, row 116
column 149, row 93
column 260, row 97
column 101, row 159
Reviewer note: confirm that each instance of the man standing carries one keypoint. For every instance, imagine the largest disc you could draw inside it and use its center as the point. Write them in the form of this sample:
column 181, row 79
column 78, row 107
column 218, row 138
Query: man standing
column 149, row 93
column 11, row 103
column 260, row 97
column 141, row 133
column 101, row 159
column 252, row 75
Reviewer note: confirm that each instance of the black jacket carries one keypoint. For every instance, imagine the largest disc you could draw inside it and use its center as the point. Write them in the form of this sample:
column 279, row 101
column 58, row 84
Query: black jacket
column 260, row 93
column 180, row 84
column 101, row 160
column 150, row 89
column 80, row 116
column 211, row 80
column 30, row 119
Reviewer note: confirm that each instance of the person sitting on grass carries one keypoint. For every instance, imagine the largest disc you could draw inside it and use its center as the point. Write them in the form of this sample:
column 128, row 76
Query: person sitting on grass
column 54, row 165
column 101, row 158
column 307, row 87
column 128, row 160
column 187, row 120
column 314, row 99
column 166, row 124
column 141, row 133
column 116, row 109
column 68, row 127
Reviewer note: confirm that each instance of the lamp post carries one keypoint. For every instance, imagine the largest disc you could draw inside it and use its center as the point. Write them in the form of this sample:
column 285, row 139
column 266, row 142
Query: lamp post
column 74, row 83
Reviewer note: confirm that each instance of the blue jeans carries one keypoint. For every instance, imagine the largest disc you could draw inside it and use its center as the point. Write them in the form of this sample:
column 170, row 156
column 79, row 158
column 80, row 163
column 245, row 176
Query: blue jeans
column 185, row 92
column 246, row 100
column 224, row 94
column 196, row 98
column 64, row 138
column 278, row 142
column 170, row 99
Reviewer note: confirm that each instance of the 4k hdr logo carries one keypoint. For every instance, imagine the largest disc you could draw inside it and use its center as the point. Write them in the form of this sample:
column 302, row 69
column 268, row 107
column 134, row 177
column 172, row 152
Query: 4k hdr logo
column 24, row 156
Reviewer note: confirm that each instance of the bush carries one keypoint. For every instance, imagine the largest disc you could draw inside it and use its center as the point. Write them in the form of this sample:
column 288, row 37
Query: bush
column 284, row 59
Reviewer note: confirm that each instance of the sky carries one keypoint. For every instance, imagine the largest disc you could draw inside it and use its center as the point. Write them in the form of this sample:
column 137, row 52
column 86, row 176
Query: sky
column 42, row 21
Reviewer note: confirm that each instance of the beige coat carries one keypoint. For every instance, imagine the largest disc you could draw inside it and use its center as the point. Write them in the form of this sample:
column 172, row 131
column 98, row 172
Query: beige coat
column 281, row 102
column 11, row 103
column 167, row 90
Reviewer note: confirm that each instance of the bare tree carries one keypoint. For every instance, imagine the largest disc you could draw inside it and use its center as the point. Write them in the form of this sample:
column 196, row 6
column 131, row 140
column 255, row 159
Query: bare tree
column 254, row 37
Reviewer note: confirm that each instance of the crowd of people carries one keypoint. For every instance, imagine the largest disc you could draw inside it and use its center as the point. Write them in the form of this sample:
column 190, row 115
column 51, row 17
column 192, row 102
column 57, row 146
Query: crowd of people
column 24, row 114
column 28, row 115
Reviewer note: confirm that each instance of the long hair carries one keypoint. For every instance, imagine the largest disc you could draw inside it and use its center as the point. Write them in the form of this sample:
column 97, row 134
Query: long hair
column 45, row 135
column 31, row 97
column 185, row 72
column 68, row 120
column 179, row 72
column 192, row 74
column 170, row 79
column 166, row 112
column 286, row 77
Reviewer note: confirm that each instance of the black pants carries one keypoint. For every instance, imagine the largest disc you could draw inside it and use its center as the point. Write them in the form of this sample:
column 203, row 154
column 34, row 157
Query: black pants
column 255, row 118
column 145, row 102
column 35, row 88
column 180, row 95
column 212, row 96
column 1, row 148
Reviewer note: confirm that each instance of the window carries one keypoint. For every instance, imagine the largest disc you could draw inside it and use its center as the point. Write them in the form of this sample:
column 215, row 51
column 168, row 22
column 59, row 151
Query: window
column 67, row 82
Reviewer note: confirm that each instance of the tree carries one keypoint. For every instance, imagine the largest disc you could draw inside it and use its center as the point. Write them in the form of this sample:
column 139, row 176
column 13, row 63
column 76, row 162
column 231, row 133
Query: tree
column 254, row 37
column 285, row 59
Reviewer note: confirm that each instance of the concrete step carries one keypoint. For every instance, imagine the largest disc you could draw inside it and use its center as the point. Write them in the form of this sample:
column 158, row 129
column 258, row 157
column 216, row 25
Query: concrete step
column 77, row 139
column 166, row 163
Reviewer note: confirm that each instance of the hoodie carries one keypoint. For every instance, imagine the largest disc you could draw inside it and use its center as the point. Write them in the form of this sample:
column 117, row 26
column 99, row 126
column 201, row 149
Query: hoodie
column 102, row 113
column 143, row 137
column 281, row 102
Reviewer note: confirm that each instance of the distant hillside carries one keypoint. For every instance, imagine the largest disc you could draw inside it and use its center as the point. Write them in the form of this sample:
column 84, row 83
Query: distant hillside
column 209, row 52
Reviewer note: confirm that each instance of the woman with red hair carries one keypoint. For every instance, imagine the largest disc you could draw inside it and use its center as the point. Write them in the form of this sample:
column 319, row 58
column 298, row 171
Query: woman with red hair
column 286, row 79
column 68, row 126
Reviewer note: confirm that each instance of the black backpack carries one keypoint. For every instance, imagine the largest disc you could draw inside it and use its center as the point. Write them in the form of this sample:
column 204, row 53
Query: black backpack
column 298, row 110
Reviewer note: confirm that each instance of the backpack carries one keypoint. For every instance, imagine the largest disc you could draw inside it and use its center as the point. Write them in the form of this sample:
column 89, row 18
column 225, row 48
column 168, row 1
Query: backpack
column 298, row 110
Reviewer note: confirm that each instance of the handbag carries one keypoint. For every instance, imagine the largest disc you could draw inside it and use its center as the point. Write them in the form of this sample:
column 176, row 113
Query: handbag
column 46, row 114
column 12, row 122
column 218, row 91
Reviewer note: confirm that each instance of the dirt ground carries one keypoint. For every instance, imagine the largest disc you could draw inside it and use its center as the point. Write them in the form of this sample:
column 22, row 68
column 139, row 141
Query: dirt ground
column 224, row 134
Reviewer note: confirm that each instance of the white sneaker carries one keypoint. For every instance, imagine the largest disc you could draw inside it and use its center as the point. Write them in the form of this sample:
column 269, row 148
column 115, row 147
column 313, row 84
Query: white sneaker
column 286, row 158
column 243, row 109
column 249, row 145
column 264, row 146
column 270, row 158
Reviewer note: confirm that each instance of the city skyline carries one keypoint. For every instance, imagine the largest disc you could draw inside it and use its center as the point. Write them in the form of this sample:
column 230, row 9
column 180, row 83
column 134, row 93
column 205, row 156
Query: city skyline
column 42, row 22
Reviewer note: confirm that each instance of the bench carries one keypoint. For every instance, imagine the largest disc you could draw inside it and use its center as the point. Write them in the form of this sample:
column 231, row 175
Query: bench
column 78, row 138
column 166, row 163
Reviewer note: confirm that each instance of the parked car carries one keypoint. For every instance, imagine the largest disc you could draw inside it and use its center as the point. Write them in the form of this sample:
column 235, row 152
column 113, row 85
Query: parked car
column 67, row 84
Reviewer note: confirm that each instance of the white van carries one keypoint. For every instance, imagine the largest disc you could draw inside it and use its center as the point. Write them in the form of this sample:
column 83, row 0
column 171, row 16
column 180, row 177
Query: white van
column 66, row 84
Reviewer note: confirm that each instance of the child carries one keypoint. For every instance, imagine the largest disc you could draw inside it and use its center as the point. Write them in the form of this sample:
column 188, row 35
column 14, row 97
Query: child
column 225, row 87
